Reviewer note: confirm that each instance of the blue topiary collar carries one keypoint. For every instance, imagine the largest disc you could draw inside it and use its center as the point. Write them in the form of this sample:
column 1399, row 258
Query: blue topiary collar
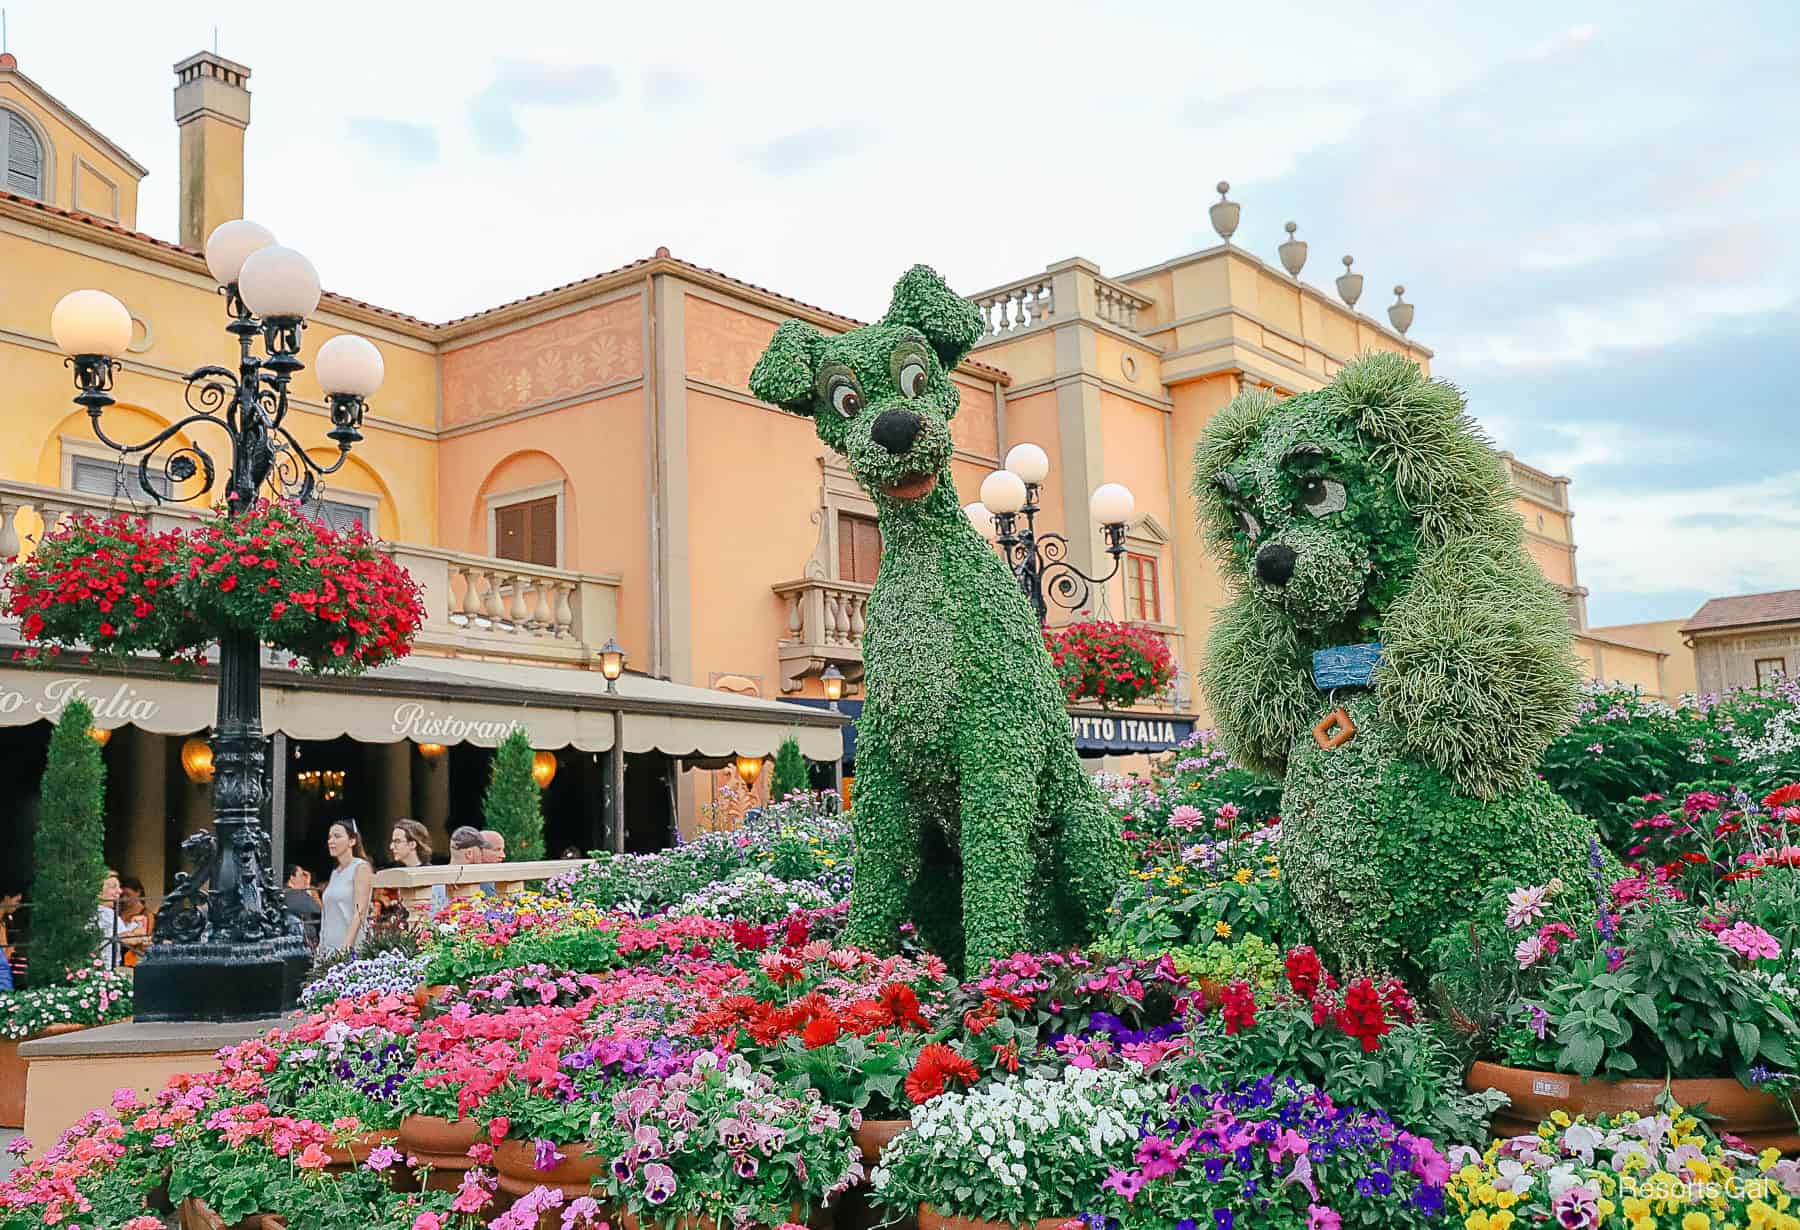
column 1345, row 666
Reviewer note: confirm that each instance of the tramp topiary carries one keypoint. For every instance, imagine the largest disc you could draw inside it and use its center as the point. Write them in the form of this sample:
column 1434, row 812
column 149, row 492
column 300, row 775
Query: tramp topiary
column 66, row 850
column 790, row 771
column 1391, row 649
column 512, row 805
column 973, row 816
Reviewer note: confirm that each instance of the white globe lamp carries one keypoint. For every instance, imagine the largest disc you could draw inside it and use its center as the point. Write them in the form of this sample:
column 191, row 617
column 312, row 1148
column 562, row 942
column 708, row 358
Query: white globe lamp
column 1029, row 462
column 90, row 322
column 279, row 283
column 1112, row 504
column 1003, row 492
column 231, row 244
column 350, row 366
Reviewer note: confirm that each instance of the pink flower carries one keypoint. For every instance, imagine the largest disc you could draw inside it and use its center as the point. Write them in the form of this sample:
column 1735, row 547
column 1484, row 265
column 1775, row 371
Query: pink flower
column 1185, row 817
column 584, row 1212
column 381, row 1157
column 1750, row 942
column 124, row 1099
column 1322, row 1217
column 1528, row 951
column 428, row 1221
column 1523, row 905
column 473, row 1193
column 145, row 1222
column 313, row 1158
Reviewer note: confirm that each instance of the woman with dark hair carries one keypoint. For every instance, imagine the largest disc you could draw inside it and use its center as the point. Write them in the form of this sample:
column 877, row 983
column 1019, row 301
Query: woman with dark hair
column 350, row 891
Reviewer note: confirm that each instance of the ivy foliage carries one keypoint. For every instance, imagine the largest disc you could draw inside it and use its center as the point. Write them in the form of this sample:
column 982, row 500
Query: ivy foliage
column 65, row 930
column 1395, row 511
column 512, row 806
column 973, row 816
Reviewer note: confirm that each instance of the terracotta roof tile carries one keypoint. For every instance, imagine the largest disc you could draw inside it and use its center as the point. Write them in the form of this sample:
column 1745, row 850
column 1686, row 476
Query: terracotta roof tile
column 662, row 254
column 1778, row 607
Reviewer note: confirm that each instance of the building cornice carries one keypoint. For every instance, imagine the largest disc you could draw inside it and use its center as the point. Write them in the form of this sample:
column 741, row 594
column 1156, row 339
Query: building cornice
column 86, row 131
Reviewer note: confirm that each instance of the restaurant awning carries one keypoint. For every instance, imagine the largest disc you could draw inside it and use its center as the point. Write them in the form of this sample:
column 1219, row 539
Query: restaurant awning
column 1097, row 732
column 436, row 700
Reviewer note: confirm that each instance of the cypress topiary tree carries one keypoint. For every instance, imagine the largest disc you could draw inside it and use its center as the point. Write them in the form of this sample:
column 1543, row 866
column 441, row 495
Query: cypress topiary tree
column 790, row 771
column 511, row 805
column 65, row 892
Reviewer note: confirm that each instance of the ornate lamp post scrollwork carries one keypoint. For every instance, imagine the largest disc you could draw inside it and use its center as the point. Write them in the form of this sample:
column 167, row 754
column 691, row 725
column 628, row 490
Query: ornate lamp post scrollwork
column 223, row 948
column 1039, row 559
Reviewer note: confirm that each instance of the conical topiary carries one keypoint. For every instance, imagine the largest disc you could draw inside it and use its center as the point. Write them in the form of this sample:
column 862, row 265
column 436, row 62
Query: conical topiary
column 70, row 865
column 511, row 806
column 790, row 771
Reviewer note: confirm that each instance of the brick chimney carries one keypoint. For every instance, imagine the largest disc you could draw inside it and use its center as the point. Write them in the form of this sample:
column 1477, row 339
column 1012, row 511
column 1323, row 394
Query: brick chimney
column 212, row 109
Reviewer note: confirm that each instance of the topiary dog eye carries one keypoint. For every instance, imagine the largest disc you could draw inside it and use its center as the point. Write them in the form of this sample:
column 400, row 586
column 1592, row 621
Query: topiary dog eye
column 1319, row 496
column 910, row 370
column 838, row 385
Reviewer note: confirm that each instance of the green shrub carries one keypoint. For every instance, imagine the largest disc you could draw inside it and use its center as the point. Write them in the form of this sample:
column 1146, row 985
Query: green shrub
column 790, row 771
column 65, row 931
column 512, row 805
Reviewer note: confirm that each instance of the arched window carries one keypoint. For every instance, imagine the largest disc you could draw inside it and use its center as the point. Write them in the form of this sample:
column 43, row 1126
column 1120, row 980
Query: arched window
column 24, row 156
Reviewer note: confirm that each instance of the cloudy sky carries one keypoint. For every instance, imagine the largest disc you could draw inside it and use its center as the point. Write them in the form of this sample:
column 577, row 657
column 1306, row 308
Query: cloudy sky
column 1594, row 207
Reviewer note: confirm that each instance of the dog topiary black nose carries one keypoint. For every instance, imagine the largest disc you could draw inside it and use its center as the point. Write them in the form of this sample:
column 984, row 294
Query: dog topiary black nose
column 1275, row 563
column 895, row 430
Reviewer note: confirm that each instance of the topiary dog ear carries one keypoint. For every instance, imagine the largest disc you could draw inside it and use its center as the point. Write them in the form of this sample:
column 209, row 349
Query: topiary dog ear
column 784, row 374
column 949, row 322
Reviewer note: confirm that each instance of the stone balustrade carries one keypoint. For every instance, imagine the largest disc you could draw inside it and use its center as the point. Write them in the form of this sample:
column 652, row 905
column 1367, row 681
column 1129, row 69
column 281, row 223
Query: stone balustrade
column 825, row 622
column 472, row 602
column 1118, row 304
column 1019, row 305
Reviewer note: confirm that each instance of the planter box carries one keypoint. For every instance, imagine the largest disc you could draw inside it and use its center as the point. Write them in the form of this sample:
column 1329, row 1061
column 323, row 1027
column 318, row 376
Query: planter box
column 1760, row 1119
column 12, row 1075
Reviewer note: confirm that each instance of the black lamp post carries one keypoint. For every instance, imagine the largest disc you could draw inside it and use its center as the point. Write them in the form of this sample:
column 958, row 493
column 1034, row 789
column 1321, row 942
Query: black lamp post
column 1040, row 560
column 224, row 949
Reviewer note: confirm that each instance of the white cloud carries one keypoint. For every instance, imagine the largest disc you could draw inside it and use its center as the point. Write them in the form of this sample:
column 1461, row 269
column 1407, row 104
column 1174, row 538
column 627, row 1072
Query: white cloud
column 1718, row 539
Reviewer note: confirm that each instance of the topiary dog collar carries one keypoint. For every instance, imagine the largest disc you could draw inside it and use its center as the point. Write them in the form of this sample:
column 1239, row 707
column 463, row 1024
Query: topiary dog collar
column 1345, row 666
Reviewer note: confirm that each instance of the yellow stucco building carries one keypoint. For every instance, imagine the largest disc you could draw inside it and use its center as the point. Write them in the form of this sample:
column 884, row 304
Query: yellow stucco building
column 588, row 463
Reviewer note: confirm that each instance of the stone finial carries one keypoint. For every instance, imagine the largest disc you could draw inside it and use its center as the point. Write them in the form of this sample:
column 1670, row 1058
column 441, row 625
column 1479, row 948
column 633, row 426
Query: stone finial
column 662, row 254
column 1349, row 284
column 1224, row 213
column 1400, row 312
column 1293, row 252
column 8, row 61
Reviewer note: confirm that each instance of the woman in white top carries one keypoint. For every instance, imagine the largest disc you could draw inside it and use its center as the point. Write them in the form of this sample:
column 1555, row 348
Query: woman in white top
column 346, row 901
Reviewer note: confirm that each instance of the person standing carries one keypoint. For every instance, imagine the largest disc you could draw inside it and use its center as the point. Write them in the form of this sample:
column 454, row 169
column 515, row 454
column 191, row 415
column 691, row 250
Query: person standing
column 136, row 923
column 410, row 846
column 349, row 893
column 303, row 902
column 111, row 951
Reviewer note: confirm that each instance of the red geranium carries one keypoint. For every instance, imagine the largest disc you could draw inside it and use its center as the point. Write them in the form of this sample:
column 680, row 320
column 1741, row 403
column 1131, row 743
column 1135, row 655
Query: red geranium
column 1113, row 663
column 105, row 585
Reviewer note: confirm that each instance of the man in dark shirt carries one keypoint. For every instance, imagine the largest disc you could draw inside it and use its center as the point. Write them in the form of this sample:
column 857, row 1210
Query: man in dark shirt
column 303, row 902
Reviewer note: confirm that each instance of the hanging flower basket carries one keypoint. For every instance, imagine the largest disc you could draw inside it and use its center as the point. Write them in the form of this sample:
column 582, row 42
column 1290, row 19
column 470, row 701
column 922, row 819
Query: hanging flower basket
column 1112, row 663
column 105, row 586
column 327, row 597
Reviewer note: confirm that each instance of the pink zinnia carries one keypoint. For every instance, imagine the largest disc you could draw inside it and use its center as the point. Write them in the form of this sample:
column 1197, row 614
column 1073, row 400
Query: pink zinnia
column 1523, row 905
column 1528, row 952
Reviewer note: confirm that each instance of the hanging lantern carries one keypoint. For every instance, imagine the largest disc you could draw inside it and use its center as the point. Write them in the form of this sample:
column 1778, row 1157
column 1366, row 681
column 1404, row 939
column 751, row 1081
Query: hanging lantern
column 749, row 768
column 197, row 760
column 543, row 768
column 431, row 753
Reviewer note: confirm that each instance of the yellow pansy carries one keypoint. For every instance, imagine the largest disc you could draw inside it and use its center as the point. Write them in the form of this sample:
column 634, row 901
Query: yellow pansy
column 1506, row 1200
column 1696, row 1221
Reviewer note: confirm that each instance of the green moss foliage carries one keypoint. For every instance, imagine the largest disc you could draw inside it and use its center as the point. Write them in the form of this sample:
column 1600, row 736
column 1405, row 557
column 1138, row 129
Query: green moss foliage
column 1397, row 513
column 973, row 816
column 65, row 892
column 512, row 806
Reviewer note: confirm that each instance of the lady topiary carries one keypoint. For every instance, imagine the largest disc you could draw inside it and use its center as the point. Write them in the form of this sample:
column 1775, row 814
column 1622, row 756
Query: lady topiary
column 1391, row 650
column 973, row 816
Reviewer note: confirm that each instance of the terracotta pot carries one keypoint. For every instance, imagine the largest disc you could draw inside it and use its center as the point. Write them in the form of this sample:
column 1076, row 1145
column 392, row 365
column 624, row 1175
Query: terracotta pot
column 12, row 1075
column 429, row 1135
column 821, row 1220
column 574, row 1175
column 872, row 1137
column 931, row 1219
column 1760, row 1119
column 193, row 1214
column 1212, row 991
column 425, row 995
column 356, row 1149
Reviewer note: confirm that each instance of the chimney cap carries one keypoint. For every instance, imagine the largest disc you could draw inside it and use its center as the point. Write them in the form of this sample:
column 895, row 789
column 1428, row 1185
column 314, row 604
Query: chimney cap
column 217, row 65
